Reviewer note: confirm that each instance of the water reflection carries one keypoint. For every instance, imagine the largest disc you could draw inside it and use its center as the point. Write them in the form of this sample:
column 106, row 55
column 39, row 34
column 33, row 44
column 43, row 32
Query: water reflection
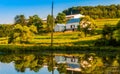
column 93, row 63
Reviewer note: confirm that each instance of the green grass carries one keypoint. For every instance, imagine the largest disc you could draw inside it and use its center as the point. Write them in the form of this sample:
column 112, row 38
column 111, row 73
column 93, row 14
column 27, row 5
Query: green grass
column 73, row 38
column 101, row 22
column 69, row 38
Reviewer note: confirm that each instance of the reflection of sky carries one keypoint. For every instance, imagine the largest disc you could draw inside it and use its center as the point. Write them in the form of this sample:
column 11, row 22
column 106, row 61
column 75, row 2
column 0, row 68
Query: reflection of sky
column 10, row 69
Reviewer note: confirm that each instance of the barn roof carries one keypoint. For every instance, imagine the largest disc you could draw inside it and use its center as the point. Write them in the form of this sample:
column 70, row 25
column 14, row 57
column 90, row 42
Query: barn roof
column 74, row 20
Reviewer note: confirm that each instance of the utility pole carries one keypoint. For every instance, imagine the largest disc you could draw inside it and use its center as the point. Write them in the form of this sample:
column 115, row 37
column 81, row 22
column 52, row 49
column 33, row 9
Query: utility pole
column 52, row 24
column 52, row 36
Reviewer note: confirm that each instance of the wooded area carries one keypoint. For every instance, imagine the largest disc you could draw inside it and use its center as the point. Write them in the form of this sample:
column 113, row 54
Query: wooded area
column 100, row 11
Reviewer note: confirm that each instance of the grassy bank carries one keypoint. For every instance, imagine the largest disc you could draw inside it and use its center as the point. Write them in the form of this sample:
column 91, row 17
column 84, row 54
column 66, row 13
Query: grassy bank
column 29, row 49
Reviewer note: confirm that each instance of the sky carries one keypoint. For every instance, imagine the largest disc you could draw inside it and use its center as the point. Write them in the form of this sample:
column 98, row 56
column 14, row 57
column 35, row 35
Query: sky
column 10, row 8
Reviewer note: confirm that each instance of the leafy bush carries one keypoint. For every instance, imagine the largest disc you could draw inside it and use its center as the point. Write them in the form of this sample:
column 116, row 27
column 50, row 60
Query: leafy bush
column 22, row 34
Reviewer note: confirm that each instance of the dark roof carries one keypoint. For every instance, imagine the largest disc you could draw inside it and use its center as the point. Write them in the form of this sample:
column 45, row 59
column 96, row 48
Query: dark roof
column 74, row 20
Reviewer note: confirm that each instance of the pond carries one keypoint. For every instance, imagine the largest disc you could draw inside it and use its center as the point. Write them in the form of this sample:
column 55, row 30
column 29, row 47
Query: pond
column 61, row 63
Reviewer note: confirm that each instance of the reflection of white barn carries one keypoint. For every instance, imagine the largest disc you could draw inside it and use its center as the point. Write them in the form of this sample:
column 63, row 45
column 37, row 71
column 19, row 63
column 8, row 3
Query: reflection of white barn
column 72, row 62
column 66, row 59
column 59, row 28
column 72, row 24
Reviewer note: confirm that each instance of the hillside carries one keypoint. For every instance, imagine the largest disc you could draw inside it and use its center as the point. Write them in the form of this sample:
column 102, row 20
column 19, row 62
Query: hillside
column 100, row 11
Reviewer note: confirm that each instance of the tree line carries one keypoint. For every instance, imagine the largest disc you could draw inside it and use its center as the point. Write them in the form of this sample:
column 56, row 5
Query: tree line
column 100, row 11
column 23, row 29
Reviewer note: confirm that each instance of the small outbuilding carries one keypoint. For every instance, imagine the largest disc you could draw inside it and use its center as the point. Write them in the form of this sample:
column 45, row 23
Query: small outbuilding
column 59, row 28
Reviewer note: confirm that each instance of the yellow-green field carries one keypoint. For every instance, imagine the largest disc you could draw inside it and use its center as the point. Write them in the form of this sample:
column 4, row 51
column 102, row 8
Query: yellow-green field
column 60, row 38
column 101, row 22
column 68, row 38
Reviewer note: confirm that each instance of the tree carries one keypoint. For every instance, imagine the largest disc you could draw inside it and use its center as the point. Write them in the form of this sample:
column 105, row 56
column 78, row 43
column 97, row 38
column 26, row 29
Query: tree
column 49, row 22
column 5, row 30
column 118, row 25
column 60, row 18
column 61, row 68
column 20, row 19
column 51, row 63
column 36, row 21
column 22, row 34
column 87, row 25
column 116, row 35
column 108, row 36
column 107, row 32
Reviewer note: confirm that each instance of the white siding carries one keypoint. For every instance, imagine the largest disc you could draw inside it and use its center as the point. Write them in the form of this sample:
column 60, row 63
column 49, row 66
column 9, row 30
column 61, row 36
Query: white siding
column 59, row 28
column 68, row 26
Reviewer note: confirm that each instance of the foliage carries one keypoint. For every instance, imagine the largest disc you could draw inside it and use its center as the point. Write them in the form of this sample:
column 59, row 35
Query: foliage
column 50, row 63
column 20, row 19
column 110, row 36
column 61, row 68
column 36, row 21
column 116, row 36
column 87, row 25
column 118, row 25
column 49, row 23
column 100, row 11
column 60, row 18
column 105, row 42
column 92, row 62
column 107, row 31
column 33, row 20
column 22, row 34
column 5, row 30
column 107, row 37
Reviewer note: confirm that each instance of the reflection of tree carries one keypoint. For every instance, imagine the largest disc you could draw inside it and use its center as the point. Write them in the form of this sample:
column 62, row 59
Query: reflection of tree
column 95, row 63
column 51, row 63
column 21, row 61
column 88, row 63
column 37, row 63
column 6, row 58
column 99, row 63
column 30, row 61
column 61, row 68
column 108, row 60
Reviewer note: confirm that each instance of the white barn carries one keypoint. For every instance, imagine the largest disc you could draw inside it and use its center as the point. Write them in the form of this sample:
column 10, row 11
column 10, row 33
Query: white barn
column 72, row 24
column 59, row 28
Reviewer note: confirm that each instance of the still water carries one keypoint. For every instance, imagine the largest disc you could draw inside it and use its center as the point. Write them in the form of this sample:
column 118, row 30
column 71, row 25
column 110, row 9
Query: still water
column 61, row 63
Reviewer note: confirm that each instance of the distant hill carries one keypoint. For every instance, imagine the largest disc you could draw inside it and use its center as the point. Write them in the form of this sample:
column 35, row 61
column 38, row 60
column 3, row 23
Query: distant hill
column 100, row 11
